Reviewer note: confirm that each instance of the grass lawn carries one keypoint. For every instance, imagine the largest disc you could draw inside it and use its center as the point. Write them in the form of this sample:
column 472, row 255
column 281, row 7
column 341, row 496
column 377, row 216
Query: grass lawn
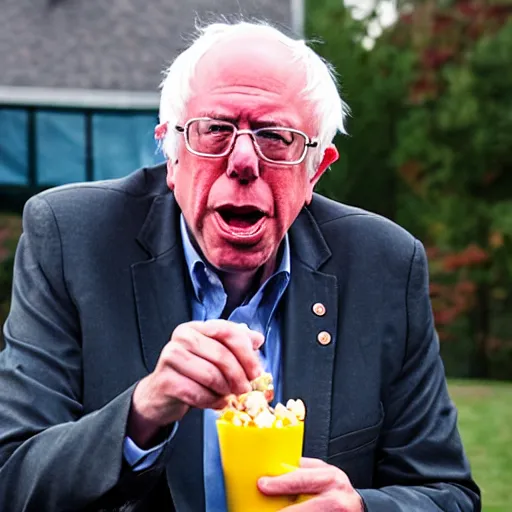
column 485, row 423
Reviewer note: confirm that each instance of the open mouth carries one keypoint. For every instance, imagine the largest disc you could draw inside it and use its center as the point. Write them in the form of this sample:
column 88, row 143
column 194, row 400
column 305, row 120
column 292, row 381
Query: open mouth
column 241, row 218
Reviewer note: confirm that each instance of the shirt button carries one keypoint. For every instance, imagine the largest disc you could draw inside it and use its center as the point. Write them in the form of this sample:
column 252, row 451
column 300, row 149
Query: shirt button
column 319, row 309
column 324, row 338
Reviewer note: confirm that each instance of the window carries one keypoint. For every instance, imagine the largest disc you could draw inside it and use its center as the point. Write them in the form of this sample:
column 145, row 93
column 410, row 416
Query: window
column 13, row 147
column 122, row 143
column 60, row 147
column 43, row 147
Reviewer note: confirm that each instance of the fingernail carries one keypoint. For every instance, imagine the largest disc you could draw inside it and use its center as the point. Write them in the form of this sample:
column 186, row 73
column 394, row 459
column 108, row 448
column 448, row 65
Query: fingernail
column 263, row 481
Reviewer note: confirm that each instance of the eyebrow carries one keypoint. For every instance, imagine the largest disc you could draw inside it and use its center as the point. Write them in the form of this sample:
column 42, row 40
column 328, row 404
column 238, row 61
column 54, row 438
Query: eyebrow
column 218, row 116
column 266, row 121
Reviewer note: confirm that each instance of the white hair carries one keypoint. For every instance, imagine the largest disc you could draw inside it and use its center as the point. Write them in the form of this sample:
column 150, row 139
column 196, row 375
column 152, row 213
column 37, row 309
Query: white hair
column 320, row 90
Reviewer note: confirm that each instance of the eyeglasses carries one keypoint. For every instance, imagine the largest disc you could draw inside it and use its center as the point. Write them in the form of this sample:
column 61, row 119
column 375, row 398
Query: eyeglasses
column 212, row 138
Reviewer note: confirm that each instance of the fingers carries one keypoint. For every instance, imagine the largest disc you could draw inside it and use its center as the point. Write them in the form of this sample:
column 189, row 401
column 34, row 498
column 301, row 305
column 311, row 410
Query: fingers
column 318, row 485
column 214, row 367
column 306, row 462
column 256, row 337
column 238, row 339
column 189, row 340
column 201, row 370
column 300, row 481
column 193, row 394
column 203, row 363
column 315, row 479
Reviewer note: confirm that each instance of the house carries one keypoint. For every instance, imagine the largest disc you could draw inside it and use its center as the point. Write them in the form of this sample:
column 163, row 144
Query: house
column 79, row 81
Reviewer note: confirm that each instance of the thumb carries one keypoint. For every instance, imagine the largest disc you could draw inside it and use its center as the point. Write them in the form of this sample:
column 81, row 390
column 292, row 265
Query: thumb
column 306, row 462
column 257, row 339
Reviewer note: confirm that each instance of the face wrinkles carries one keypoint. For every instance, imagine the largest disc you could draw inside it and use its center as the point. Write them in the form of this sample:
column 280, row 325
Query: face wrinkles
column 271, row 88
column 254, row 110
column 239, row 207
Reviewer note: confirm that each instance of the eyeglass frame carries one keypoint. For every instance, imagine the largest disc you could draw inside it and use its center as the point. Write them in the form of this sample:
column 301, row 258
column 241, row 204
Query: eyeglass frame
column 310, row 143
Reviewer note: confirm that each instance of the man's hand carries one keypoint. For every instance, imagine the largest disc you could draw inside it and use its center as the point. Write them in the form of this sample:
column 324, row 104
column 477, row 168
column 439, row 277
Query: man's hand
column 329, row 487
column 201, row 364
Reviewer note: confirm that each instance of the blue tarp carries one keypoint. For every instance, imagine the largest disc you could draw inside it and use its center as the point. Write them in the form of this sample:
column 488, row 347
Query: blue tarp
column 121, row 142
column 60, row 148
column 13, row 147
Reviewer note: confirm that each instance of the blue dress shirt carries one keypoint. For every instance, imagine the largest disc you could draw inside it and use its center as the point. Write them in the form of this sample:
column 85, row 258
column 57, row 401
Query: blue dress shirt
column 259, row 312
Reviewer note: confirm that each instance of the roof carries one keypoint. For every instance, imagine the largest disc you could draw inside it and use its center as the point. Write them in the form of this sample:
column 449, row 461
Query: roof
column 111, row 45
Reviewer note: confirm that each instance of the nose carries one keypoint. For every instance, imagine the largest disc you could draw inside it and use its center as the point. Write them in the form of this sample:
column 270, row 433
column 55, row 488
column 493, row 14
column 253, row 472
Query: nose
column 243, row 163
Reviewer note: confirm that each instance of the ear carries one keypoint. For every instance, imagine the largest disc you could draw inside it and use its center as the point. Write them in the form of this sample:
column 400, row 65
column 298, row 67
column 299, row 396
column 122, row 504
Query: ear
column 171, row 171
column 330, row 156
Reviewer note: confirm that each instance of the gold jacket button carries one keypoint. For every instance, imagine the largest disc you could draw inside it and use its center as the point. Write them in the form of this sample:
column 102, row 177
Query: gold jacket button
column 319, row 309
column 324, row 338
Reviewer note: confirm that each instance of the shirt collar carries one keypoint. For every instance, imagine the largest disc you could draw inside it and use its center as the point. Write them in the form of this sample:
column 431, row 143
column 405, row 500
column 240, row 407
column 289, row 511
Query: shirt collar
column 203, row 276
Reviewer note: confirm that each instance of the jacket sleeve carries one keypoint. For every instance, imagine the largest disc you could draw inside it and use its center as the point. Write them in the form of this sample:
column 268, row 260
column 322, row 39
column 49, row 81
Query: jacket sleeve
column 53, row 457
column 421, row 462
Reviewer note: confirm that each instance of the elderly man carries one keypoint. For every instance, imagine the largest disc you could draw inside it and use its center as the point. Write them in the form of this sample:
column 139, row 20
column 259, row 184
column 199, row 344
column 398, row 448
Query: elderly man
column 140, row 304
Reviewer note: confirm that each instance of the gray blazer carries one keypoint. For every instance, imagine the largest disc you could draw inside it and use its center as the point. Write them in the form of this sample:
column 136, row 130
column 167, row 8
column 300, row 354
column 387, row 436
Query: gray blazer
column 99, row 286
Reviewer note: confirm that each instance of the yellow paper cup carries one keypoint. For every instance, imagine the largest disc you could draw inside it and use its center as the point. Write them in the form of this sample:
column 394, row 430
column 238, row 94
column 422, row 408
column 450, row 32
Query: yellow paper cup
column 249, row 453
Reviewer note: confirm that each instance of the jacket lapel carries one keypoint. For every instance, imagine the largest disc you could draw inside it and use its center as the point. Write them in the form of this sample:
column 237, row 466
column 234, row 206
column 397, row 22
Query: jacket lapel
column 159, row 284
column 162, row 291
column 307, row 363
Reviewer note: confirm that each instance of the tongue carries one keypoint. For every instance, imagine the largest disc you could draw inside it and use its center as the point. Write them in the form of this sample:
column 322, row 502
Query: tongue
column 242, row 221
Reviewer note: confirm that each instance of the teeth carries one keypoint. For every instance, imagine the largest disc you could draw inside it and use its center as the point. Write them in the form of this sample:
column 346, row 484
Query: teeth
column 243, row 231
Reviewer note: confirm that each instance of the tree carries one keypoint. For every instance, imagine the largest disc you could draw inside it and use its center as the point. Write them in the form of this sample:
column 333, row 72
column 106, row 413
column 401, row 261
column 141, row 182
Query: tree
column 373, row 83
column 430, row 146
column 453, row 153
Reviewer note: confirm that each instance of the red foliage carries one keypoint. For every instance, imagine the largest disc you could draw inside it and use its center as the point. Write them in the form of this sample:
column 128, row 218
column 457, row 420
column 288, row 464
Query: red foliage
column 468, row 8
column 453, row 294
column 499, row 12
column 471, row 256
column 445, row 316
column 434, row 58
column 432, row 252
column 446, row 37
column 442, row 22
column 465, row 287
column 436, row 290
column 406, row 18
column 451, row 301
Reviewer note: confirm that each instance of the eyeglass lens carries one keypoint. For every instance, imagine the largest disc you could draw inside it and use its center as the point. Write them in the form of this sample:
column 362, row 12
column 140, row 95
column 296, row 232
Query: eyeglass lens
column 214, row 137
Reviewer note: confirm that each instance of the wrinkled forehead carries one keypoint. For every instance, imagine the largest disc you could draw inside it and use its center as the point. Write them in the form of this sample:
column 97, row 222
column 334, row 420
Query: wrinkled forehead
column 255, row 66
